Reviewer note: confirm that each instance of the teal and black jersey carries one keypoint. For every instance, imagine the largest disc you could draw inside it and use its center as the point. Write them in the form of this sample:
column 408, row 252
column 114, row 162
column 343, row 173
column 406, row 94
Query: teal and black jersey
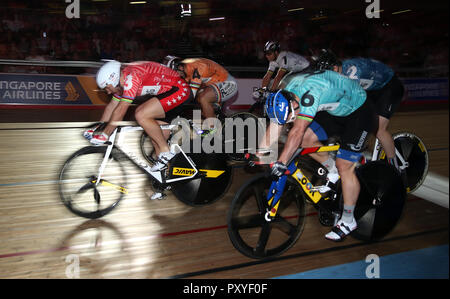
column 371, row 74
column 325, row 91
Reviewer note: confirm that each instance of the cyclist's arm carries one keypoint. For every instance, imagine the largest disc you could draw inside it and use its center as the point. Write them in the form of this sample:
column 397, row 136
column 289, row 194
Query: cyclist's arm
column 266, row 79
column 279, row 76
column 117, row 115
column 272, row 134
column 109, row 109
column 294, row 139
column 195, row 85
column 194, row 78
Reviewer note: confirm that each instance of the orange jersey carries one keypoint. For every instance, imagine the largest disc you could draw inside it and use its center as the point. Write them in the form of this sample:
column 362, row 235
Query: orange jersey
column 203, row 72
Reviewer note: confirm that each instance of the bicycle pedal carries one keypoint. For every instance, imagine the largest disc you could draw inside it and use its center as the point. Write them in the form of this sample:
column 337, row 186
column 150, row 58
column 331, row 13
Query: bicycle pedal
column 321, row 189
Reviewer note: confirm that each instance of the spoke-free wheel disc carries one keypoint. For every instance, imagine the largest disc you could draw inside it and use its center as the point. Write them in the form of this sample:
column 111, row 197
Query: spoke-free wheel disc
column 248, row 229
column 213, row 182
column 79, row 188
column 381, row 200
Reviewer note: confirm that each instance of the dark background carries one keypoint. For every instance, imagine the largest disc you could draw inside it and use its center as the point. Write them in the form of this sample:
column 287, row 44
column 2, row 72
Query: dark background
column 116, row 29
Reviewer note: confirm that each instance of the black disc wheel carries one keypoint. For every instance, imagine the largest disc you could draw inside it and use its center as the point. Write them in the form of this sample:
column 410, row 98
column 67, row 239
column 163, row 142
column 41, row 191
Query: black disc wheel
column 380, row 202
column 83, row 192
column 249, row 231
column 212, row 183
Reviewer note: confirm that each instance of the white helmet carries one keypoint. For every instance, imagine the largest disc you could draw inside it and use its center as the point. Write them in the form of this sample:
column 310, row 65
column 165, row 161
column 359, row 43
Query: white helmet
column 109, row 73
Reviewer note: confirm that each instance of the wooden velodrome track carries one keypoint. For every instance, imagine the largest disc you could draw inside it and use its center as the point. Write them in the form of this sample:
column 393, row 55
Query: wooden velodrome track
column 40, row 238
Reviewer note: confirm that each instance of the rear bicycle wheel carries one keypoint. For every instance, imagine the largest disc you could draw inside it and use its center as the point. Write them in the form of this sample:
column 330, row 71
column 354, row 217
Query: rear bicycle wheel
column 79, row 189
column 380, row 202
column 248, row 229
column 413, row 151
column 210, row 186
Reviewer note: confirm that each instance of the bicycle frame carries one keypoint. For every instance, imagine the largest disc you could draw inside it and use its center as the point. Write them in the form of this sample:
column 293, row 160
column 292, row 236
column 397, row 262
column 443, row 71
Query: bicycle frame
column 144, row 166
column 277, row 187
column 377, row 148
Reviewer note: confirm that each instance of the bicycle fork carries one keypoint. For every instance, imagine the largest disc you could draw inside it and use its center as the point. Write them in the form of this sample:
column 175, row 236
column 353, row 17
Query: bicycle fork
column 99, row 180
column 275, row 192
column 106, row 157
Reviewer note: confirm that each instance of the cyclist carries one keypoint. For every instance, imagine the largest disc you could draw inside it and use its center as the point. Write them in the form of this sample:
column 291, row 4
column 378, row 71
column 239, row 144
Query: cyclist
column 284, row 61
column 157, row 90
column 320, row 105
column 383, row 88
column 211, row 84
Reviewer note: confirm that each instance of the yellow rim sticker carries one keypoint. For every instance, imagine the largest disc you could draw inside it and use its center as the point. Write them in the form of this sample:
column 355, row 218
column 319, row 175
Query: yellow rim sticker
column 212, row 173
column 421, row 147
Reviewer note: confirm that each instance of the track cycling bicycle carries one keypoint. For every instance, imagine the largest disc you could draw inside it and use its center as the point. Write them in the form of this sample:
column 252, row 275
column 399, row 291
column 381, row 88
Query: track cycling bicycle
column 267, row 217
column 244, row 128
column 93, row 180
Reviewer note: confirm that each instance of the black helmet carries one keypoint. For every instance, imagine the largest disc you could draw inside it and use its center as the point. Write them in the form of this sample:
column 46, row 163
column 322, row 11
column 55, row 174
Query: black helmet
column 172, row 62
column 327, row 60
column 271, row 46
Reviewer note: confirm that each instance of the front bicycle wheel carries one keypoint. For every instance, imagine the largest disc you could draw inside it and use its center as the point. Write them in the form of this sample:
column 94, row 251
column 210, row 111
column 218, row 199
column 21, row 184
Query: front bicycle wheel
column 81, row 191
column 380, row 202
column 415, row 154
column 249, row 231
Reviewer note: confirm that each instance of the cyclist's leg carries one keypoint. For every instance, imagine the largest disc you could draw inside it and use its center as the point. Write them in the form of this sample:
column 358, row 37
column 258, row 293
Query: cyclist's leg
column 166, row 134
column 321, row 128
column 386, row 102
column 227, row 92
column 314, row 134
column 350, row 183
column 216, row 93
column 358, row 126
column 159, row 107
column 206, row 98
column 146, row 115
column 350, row 192
column 385, row 137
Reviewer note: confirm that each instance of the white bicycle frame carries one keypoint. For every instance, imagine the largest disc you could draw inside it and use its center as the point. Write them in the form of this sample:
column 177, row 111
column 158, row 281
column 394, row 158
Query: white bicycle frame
column 157, row 175
column 377, row 148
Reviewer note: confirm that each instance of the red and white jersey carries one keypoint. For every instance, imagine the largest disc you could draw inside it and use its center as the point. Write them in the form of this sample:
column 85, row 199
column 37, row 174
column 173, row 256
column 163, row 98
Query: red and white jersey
column 147, row 77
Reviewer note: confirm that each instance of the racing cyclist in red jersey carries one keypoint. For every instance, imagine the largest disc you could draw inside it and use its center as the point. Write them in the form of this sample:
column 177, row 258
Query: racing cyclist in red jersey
column 163, row 90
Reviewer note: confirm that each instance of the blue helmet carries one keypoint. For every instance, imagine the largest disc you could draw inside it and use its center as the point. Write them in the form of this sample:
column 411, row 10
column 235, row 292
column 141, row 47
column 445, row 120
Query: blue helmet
column 278, row 106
